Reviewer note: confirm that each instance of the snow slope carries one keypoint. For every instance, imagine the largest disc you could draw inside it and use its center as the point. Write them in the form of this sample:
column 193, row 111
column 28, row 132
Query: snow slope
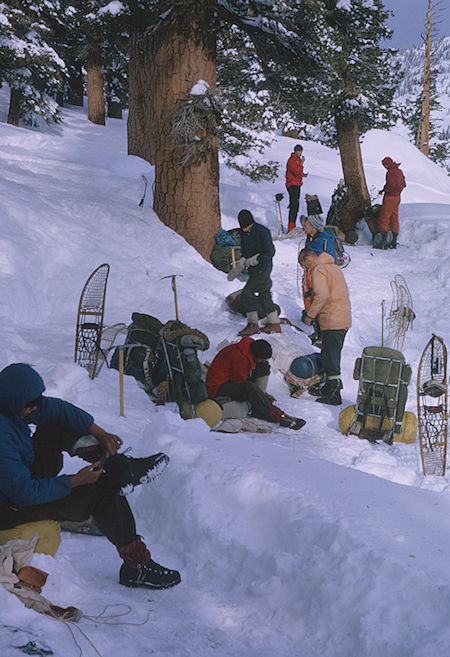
column 290, row 544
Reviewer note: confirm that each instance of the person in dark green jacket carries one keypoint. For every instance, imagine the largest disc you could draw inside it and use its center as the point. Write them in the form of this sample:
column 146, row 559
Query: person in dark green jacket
column 32, row 489
column 257, row 251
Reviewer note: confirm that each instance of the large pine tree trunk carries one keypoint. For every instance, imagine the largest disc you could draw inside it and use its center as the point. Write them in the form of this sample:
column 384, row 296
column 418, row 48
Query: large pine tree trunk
column 96, row 98
column 140, row 124
column 358, row 204
column 181, row 51
column 14, row 106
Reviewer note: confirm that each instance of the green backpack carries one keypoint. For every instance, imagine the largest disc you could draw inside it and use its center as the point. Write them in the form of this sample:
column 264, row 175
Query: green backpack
column 383, row 379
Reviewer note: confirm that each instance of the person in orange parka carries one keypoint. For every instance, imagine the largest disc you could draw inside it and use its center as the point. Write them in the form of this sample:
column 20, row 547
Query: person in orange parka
column 395, row 183
column 294, row 180
column 234, row 373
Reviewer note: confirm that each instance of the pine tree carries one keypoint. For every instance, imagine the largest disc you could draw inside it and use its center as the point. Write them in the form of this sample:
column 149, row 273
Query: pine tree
column 357, row 92
column 29, row 65
column 175, row 116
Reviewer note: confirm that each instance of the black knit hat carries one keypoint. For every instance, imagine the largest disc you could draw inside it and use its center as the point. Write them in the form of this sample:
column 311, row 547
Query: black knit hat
column 261, row 349
column 298, row 147
column 245, row 218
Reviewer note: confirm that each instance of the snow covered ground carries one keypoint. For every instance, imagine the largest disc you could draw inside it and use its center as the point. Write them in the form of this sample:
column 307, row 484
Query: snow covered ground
column 290, row 544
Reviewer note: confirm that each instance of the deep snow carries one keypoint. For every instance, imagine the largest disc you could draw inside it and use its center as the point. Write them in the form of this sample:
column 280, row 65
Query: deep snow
column 290, row 544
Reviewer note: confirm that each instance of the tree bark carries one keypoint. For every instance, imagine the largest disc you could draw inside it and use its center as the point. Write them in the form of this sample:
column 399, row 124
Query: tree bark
column 75, row 91
column 96, row 98
column 186, row 198
column 358, row 204
column 141, row 123
column 14, row 107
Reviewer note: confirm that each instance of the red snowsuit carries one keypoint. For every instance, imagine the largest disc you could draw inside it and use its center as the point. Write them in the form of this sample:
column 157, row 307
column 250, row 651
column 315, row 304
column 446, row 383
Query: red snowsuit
column 395, row 183
column 231, row 365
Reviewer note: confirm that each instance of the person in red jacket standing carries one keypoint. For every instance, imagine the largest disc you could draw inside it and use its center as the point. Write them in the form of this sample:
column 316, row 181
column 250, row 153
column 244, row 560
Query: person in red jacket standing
column 395, row 183
column 294, row 180
column 237, row 372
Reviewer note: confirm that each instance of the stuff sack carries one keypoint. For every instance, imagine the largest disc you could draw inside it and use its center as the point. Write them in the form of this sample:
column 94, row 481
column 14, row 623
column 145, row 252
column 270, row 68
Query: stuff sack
column 304, row 372
column 313, row 204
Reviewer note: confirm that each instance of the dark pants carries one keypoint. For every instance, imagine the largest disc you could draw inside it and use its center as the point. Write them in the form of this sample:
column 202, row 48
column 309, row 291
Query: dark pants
column 294, row 202
column 248, row 391
column 101, row 500
column 261, row 283
column 332, row 343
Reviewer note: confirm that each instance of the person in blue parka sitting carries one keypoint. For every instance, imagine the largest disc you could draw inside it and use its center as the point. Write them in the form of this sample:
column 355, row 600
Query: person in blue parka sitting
column 32, row 489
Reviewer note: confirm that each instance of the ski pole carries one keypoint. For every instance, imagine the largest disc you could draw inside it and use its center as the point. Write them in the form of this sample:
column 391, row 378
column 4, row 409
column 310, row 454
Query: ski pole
column 233, row 257
column 382, row 322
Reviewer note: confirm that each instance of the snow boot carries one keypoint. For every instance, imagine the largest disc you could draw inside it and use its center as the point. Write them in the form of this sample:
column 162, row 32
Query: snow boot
column 252, row 324
column 317, row 390
column 393, row 244
column 383, row 244
column 294, row 423
column 273, row 323
column 128, row 472
column 380, row 241
column 332, row 393
column 150, row 575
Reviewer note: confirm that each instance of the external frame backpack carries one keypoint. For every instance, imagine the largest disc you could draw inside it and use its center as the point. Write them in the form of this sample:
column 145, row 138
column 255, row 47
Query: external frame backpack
column 379, row 412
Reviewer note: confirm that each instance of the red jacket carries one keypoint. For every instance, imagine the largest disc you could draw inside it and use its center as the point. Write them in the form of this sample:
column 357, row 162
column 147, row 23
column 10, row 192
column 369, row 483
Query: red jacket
column 232, row 364
column 294, row 171
column 395, row 181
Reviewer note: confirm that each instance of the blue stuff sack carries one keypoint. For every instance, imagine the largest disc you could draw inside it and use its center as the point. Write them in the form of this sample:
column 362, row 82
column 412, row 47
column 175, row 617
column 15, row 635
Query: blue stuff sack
column 223, row 238
column 306, row 366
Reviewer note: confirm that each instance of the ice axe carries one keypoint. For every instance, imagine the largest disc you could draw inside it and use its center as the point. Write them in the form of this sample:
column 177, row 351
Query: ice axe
column 174, row 288
column 279, row 216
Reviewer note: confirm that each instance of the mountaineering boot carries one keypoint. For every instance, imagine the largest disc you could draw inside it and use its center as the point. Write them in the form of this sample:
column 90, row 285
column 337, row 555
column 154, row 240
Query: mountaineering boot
column 294, row 423
column 138, row 569
column 393, row 244
column 128, row 472
column 151, row 575
column 252, row 324
column 332, row 394
column 273, row 323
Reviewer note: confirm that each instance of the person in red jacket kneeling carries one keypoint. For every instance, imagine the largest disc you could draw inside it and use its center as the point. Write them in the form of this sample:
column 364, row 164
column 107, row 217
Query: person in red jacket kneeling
column 234, row 373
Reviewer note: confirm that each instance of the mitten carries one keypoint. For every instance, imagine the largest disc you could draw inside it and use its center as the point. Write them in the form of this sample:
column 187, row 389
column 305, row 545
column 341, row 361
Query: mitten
column 238, row 269
column 252, row 261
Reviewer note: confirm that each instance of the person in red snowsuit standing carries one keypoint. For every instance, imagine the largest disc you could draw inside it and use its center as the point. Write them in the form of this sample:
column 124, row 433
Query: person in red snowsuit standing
column 294, row 180
column 395, row 183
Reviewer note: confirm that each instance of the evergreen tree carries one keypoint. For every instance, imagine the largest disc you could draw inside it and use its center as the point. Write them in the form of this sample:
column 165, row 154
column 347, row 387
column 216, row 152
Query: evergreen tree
column 356, row 93
column 29, row 65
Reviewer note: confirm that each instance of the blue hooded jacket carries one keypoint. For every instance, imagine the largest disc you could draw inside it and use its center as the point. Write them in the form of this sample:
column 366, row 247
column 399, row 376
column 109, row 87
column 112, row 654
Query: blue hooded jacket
column 322, row 243
column 19, row 385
